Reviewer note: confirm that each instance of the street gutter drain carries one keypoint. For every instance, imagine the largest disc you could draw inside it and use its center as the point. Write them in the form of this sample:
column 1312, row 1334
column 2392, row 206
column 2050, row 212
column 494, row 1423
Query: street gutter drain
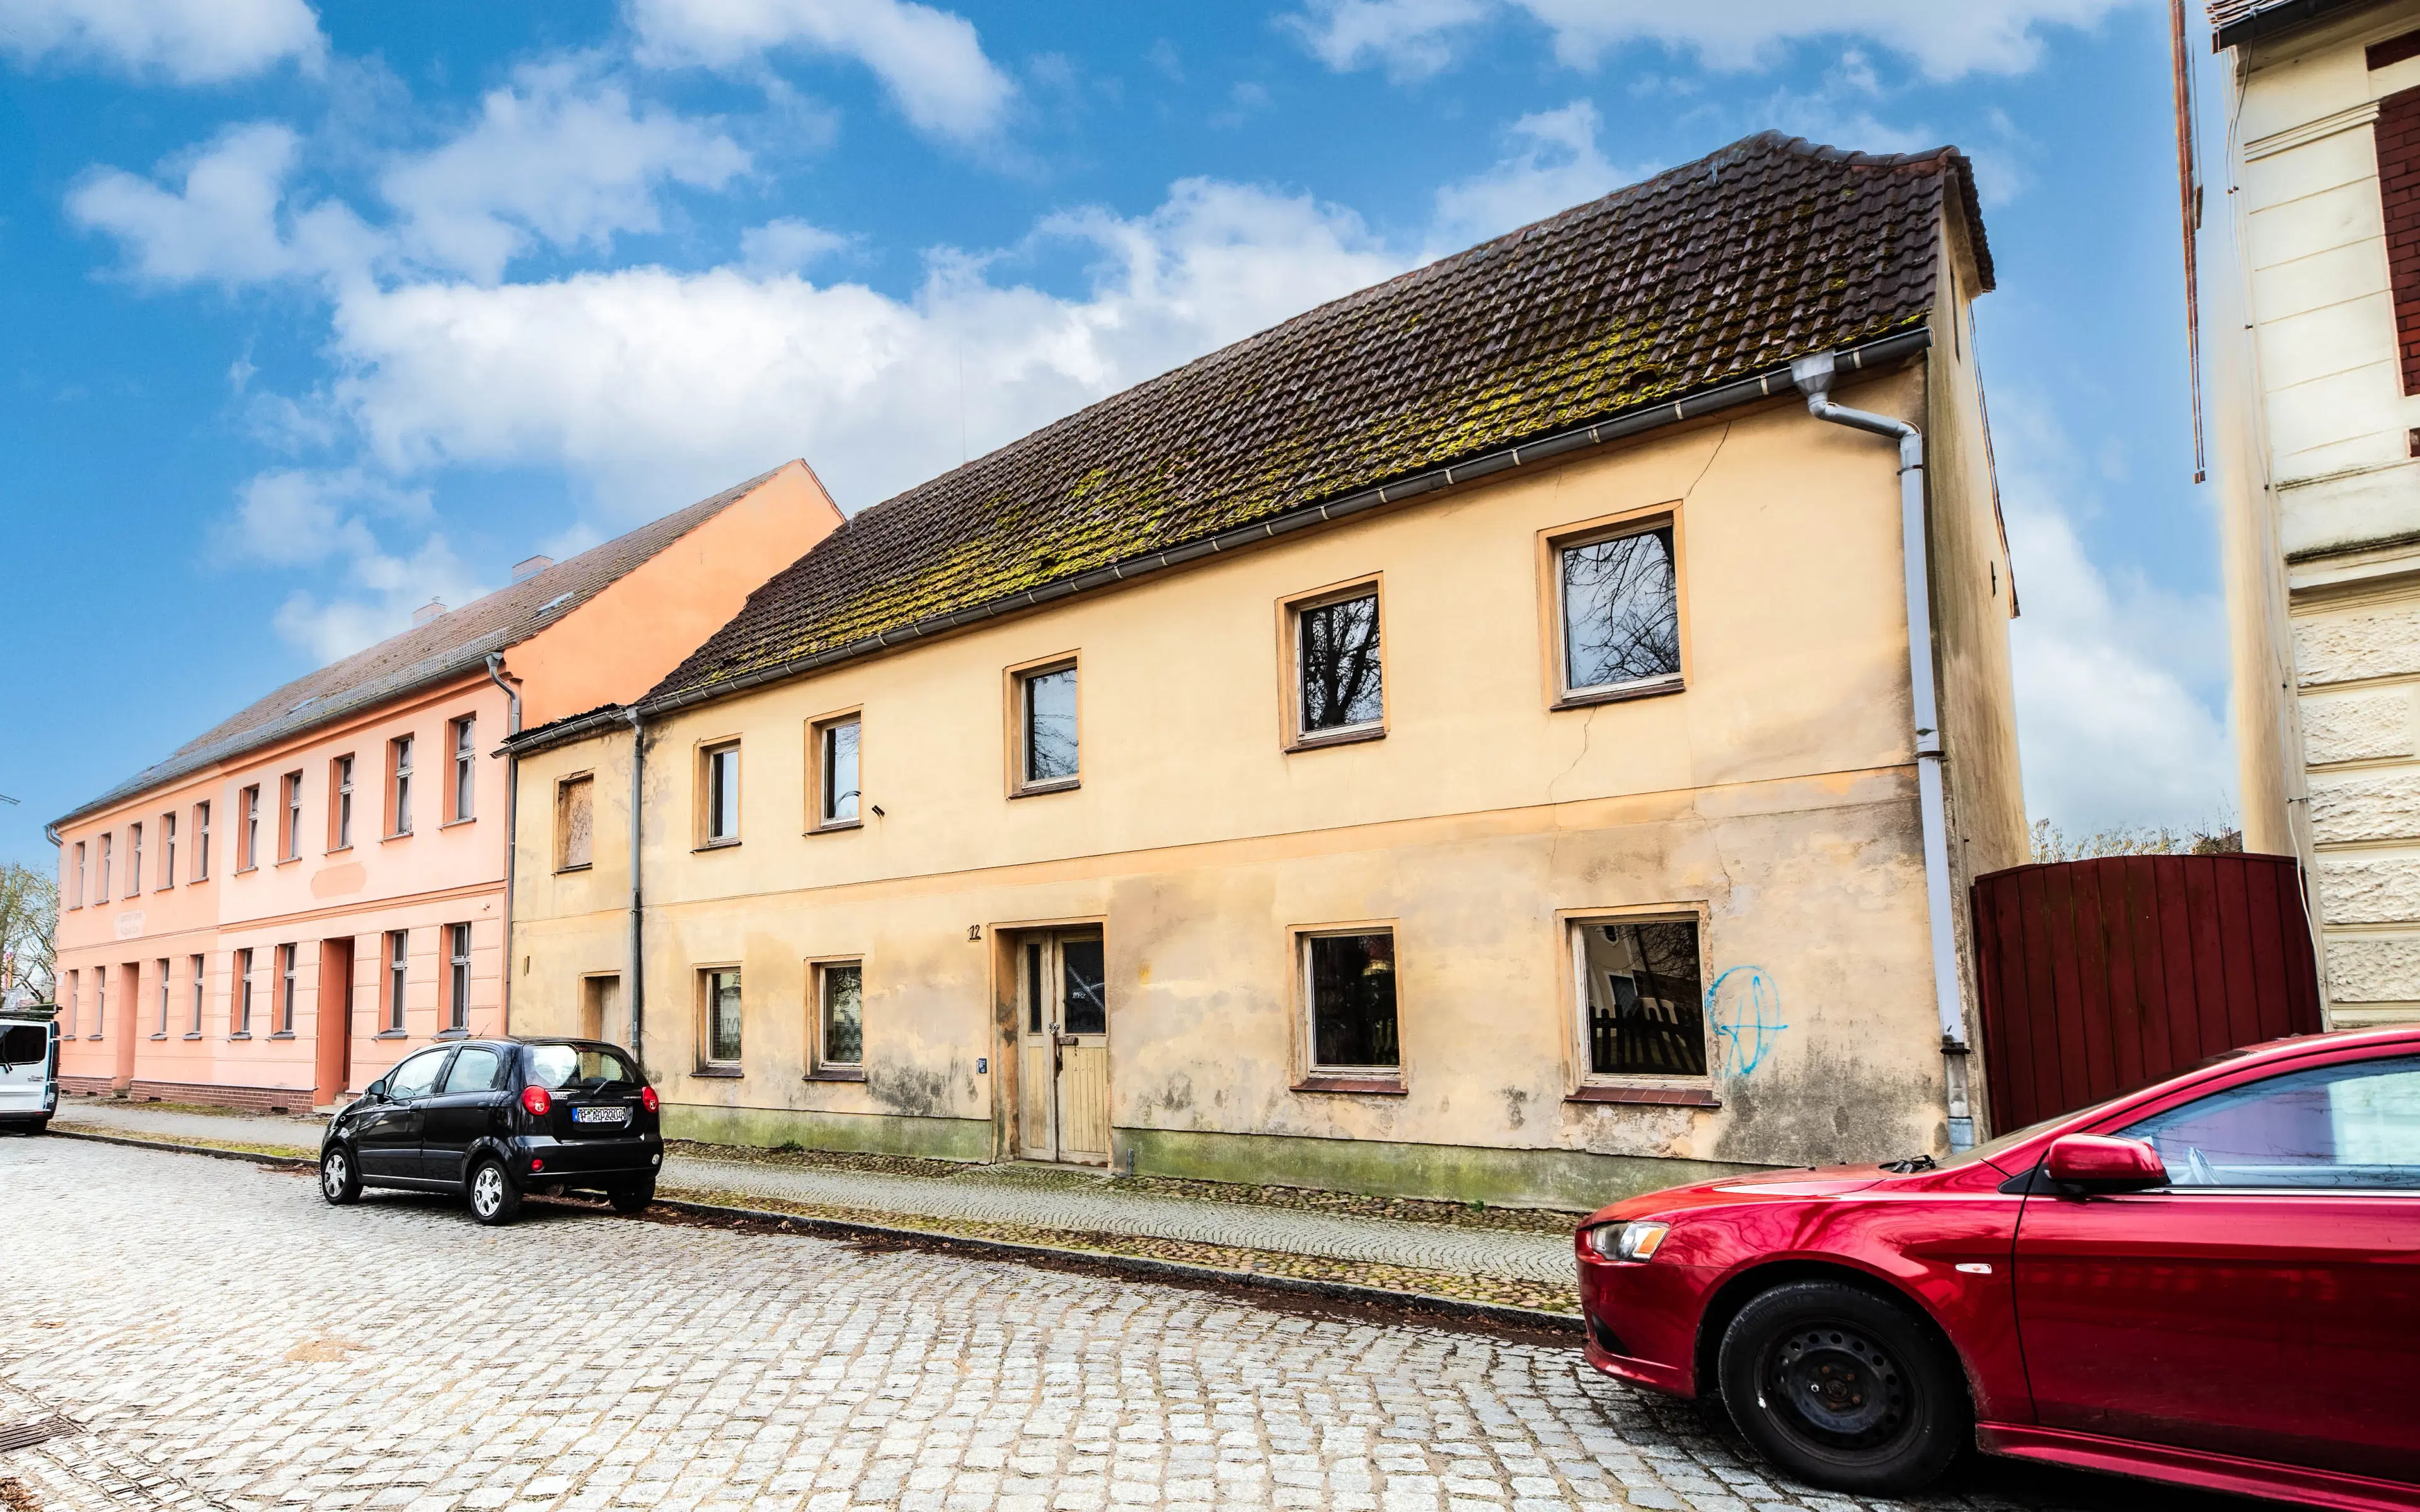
column 40, row 1430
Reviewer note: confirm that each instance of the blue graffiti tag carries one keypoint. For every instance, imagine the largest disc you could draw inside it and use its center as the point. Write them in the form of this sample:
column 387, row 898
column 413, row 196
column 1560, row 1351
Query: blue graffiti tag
column 1751, row 1022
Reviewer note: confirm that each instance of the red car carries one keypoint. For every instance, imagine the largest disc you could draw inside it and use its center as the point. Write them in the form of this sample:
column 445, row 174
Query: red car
column 2215, row 1281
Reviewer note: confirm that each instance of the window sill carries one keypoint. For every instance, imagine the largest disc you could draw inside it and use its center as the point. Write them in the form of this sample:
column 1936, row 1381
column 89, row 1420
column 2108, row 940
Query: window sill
column 282, row 1034
column 242, row 869
column 195, row 1035
column 1590, row 698
column 1688, row 1097
column 161, row 1034
column 286, row 860
column 1367, row 1086
column 728, row 1074
column 335, row 850
column 457, row 823
column 1338, row 737
column 837, row 827
column 400, row 834
column 451, row 1034
column 392, row 1034
column 837, row 1073
column 240, row 1034
column 89, row 1039
column 715, row 845
column 567, row 870
column 1036, row 789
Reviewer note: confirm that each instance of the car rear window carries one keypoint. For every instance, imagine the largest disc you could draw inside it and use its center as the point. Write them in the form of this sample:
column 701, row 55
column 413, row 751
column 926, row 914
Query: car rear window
column 579, row 1068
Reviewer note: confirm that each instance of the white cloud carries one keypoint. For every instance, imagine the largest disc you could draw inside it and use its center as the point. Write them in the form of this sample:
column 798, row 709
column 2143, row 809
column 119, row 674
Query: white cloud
column 931, row 61
column 296, row 516
column 2118, row 680
column 657, row 386
column 1555, row 164
column 221, row 224
column 1416, row 37
column 188, row 41
column 554, row 156
column 328, row 520
column 786, row 245
column 385, row 592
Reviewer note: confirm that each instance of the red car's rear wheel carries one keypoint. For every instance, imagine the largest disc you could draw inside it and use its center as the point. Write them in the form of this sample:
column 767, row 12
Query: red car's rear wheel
column 1843, row 1388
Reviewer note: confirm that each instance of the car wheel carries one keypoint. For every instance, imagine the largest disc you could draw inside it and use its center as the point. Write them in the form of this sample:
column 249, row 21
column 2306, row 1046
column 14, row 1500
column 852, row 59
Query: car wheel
column 494, row 1199
column 339, row 1181
column 632, row 1197
column 1843, row 1388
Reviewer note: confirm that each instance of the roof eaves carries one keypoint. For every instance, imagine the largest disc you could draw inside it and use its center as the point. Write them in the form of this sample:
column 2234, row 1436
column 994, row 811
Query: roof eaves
column 2234, row 24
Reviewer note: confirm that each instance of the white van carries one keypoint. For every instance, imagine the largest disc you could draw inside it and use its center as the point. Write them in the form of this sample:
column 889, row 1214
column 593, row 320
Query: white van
column 29, row 1072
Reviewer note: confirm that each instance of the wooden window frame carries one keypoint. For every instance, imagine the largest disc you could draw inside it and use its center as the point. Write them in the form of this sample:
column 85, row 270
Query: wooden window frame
column 461, row 770
column 108, row 856
column 135, row 858
column 167, row 851
column 201, row 993
column 290, row 818
column 395, row 981
column 290, row 972
column 75, row 894
column 1017, row 685
column 167, row 989
column 1291, row 609
column 201, row 867
column 819, row 730
column 820, row 1066
column 704, row 1061
column 247, row 804
column 239, row 1007
column 701, row 778
column 402, row 756
column 1580, row 1082
column 340, row 802
column 1554, row 652
column 1309, row 1076
column 457, row 977
column 562, row 846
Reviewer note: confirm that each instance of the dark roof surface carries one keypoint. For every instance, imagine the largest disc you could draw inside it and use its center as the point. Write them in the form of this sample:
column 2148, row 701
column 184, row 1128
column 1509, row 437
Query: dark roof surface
column 1769, row 249
column 2236, row 21
column 445, row 647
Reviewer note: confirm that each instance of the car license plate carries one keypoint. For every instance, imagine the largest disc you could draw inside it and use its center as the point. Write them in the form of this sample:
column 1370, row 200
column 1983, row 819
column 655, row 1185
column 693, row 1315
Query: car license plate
column 600, row 1115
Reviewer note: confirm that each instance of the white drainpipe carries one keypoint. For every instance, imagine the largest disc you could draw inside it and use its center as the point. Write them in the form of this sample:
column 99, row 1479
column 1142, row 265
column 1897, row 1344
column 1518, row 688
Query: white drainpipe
column 1814, row 376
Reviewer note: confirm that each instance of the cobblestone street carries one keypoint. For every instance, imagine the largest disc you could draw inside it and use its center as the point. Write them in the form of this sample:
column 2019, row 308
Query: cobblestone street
column 226, row 1339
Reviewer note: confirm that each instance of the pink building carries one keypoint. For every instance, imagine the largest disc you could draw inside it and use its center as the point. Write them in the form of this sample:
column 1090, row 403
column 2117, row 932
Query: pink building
column 274, row 914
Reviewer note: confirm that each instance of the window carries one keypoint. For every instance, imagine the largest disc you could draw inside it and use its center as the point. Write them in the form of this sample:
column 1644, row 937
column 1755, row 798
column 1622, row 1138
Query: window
column 163, row 998
column 1048, row 754
column 1349, row 983
column 720, row 994
column 584, row 1068
column 101, row 896
column 457, row 976
column 200, row 980
column 836, row 773
column 167, row 850
column 2351, row 1126
column 75, row 893
column 575, row 821
column 840, row 1016
column 134, row 860
column 1337, row 666
column 398, row 787
column 475, row 1069
column 466, row 757
column 1621, row 611
column 99, row 1001
column 286, row 979
column 398, row 944
column 201, row 842
column 721, row 819
column 243, row 993
column 248, row 843
column 290, row 837
column 340, row 807
column 417, row 1076
column 75, row 1002
column 1641, row 1006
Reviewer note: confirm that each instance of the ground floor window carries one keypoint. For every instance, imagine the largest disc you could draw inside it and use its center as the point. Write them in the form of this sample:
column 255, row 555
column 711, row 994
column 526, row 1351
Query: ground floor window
column 1349, row 987
column 840, row 1016
column 457, row 975
column 721, row 990
column 1640, row 994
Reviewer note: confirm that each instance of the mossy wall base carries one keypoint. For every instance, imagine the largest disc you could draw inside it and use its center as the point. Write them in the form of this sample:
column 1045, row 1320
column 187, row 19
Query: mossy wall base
column 873, row 1133
column 1571, row 1180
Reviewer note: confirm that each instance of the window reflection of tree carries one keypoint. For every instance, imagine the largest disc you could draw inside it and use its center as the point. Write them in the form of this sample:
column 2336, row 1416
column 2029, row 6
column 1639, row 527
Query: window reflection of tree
column 1622, row 620
column 1340, row 664
column 1050, row 726
column 1652, row 1020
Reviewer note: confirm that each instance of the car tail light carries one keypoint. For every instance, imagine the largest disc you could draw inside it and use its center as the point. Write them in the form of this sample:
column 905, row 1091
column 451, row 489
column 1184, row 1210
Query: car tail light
column 535, row 1100
column 536, row 1163
column 648, row 1100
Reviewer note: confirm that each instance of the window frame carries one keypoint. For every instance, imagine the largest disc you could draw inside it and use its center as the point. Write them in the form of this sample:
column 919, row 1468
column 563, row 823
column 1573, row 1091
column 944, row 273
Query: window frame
column 135, row 858
column 1291, row 610
column 462, row 757
column 340, row 803
column 459, row 952
column 240, row 1011
column 75, row 1000
column 100, row 1003
column 707, row 798
column 399, row 756
column 108, row 854
column 1582, row 1082
column 1554, row 646
column 202, row 841
column 167, row 851
column 2122, row 1127
column 563, row 786
column 75, row 895
column 167, row 994
column 289, row 973
column 248, row 838
column 395, row 978
column 705, row 1062
column 819, row 735
column 1017, row 683
column 1312, row 1075
column 821, row 1066
column 290, row 825
column 201, row 993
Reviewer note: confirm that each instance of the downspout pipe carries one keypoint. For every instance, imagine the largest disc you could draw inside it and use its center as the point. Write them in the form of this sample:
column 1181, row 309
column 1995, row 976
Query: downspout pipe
column 638, row 989
column 512, row 815
column 1814, row 376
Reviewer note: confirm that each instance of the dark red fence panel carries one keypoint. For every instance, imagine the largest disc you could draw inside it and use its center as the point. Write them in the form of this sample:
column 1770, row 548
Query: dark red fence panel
column 2100, row 975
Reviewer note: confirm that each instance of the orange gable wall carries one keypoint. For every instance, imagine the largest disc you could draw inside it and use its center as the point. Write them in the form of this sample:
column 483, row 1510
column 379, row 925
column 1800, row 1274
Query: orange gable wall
column 622, row 642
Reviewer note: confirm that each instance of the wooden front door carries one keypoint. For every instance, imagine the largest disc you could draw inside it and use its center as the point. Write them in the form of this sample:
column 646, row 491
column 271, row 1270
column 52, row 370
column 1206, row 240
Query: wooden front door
column 333, row 1027
column 1062, row 1069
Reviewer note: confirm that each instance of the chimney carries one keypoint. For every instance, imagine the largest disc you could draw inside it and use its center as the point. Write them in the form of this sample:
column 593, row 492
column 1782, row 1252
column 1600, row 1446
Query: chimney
column 427, row 612
column 531, row 567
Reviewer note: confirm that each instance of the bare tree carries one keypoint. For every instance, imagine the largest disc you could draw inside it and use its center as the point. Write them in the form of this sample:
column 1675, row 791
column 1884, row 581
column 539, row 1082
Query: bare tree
column 29, row 916
column 2216, row 837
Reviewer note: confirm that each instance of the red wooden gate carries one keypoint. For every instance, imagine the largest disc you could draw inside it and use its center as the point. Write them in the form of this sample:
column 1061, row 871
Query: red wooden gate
column 2100, row 975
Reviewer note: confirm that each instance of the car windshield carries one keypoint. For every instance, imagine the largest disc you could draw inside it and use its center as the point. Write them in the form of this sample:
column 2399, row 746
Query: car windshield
column 580, row 1068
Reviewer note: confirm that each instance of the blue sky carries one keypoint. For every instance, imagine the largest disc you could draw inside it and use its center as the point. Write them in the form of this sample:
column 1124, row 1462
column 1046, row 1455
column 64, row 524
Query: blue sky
column 315, row 314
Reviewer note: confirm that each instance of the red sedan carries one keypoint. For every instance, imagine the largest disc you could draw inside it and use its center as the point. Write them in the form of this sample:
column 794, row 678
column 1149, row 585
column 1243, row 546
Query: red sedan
column 2215, row 1281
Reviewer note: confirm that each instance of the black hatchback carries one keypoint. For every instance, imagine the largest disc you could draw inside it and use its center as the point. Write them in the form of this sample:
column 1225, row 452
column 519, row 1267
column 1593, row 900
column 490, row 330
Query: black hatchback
column 494, row 1119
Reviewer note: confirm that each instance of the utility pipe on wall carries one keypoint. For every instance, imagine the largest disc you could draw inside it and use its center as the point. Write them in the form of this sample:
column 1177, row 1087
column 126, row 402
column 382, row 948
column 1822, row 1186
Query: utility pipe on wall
column 1814, row 376
column 512, row 817
column 638, row 988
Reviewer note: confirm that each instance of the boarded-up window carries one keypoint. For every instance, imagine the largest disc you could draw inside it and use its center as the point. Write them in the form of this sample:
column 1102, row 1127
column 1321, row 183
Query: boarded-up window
column 2398, row 193
column 575, row 823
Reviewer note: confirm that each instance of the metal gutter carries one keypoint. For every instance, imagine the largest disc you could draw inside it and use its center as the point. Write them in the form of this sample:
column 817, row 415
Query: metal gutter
column 497, row 675
column 2271, row 19
column 1765, row 385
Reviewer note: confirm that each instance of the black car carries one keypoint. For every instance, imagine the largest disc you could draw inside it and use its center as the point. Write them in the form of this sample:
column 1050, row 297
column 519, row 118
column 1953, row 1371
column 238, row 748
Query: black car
column 496, row 1119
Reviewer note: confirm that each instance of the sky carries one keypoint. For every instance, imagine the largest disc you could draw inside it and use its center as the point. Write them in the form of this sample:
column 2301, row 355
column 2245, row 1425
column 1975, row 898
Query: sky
column 310, row 314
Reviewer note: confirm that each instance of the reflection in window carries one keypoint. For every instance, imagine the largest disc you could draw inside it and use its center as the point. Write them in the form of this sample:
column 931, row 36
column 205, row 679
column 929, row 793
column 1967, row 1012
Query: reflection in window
column 722, row 1017
column 844, row 1015
column 2355, row 1125
column 1352, row 990
column 838, row 759
column 1339, row 654
column 1085, row 1006
column 1621, row 610
column 1643, row 1006
column 1050, row 750
column 723, row 795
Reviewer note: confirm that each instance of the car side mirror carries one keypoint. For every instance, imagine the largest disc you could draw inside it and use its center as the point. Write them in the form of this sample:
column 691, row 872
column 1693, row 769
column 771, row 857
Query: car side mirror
column 376, row 1091
column 2103, row 1163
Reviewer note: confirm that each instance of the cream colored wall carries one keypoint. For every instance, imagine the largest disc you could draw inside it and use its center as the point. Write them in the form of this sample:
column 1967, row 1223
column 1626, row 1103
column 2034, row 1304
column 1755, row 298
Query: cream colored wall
column 1775, row 795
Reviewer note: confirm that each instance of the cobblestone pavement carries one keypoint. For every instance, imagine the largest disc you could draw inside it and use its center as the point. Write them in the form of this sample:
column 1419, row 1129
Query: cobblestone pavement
column 1031, row 1196
column 228, row 1340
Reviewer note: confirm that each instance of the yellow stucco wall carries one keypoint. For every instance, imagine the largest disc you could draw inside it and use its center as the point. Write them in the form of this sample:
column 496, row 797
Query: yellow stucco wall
column 1774, row 797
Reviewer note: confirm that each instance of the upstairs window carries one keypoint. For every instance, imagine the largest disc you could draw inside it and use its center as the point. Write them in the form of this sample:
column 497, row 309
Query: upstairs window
column 134, row 860
column 398, row 786
column 1049, row 754
column 836, row 773
column 1338, row 669
column 167, row 850
column 102, row 896
column 575, row 821
column 1620, row 607
column 718, row 815
column 75, row 884
column 466, row 769
column 291, row 834
column 201, row 842
column 340, row 804
column 248, row 843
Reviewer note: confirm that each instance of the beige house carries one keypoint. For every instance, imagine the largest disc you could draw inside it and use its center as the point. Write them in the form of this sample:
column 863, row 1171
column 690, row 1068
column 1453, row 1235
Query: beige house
column 2315, row 364
column 1463, row 741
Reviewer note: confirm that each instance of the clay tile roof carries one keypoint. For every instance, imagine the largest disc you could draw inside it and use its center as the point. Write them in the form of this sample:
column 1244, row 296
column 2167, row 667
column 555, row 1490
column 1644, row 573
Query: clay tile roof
column 2236, row 21
column 1769, row 249
column 443, row 648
